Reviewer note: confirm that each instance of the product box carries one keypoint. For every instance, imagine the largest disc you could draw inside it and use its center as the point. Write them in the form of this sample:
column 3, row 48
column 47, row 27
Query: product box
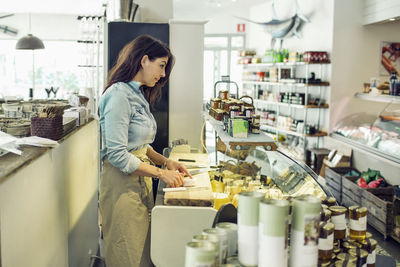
column 80, row 113
column 238, row 128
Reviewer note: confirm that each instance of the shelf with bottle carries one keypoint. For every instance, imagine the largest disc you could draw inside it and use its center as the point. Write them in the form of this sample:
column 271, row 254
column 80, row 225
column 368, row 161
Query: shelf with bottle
column 324, row 84
column 290, row 104
column 282, row 57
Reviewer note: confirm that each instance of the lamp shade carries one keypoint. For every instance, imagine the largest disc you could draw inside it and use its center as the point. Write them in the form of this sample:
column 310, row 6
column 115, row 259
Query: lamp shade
column 29, row 42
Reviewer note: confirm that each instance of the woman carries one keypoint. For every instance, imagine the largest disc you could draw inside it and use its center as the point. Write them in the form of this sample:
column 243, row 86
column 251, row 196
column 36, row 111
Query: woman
column 127, row 128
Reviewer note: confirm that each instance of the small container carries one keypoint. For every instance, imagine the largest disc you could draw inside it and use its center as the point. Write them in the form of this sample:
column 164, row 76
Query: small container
column 255, row 119
column 219, row 114
column 350, row 245
column 326, row 215
column 248, row 111
column 232, row 230
column 234, row 111
column 341, row 263
column 329, row 201
column 200, row 254
column 358, row 222
column 338, row 218
column 369, row 245
column 361, row 255
column 325, row 241
column 223, row 94
column 216, row 103
column 324, row 263
column 222, row 235
column 346, row 258
column 368, row 235
column 211, row 239
column 324, row 206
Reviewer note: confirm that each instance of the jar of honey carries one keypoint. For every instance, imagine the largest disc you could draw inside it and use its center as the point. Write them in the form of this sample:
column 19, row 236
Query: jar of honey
column 329, row 201
column 350, row 245
column 325, row 240
column 215, row 103
column 234, row 111
column 223, row 94
column 361, row 255
column 358, row 222
column 341, row 263
column 369, row 245
column 326, row 215
column 338, row 218
column 345, row 257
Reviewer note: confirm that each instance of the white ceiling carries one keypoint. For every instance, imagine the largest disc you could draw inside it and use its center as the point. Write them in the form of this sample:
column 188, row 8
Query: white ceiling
column 183, row 9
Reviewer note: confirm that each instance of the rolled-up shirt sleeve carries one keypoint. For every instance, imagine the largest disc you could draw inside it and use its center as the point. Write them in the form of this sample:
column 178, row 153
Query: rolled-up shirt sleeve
column 117, row 113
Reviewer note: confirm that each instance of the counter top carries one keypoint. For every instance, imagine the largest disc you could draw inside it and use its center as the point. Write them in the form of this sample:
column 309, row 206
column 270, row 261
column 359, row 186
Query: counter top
column 11, row 163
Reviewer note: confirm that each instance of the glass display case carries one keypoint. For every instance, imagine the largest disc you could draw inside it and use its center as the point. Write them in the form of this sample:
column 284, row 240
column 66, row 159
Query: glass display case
column 377, row 134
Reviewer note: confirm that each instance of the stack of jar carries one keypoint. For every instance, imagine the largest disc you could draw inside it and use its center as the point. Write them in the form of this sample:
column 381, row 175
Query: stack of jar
column 342, row 246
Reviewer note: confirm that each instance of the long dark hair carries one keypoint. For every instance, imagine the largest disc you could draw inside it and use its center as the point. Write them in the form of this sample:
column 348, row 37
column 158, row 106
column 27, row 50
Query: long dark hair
column 129, row 63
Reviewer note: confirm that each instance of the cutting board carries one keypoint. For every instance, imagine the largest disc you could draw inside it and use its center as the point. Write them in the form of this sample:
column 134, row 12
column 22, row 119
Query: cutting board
column 199, row 195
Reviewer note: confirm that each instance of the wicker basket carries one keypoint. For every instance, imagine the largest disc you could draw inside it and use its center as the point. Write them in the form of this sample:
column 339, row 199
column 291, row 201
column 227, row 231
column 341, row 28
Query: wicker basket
column 51, row 128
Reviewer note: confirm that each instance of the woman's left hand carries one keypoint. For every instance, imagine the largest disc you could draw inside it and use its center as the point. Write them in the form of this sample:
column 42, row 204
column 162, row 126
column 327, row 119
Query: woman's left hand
column 176, row 166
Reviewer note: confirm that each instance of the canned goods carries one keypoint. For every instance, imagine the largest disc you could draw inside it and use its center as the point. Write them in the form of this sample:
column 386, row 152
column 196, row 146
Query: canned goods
column 369, row 245
column 339, row 220
column 358, row 222
column 325, row 241
column 248, row 218
column 200, row 254
column 211, row 239
column 305, row 231
column 232, row 230
column 223, row 241
column 273, row 233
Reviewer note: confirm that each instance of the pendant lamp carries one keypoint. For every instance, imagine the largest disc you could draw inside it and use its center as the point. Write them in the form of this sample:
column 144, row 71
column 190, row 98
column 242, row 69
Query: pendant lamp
column 30, row 42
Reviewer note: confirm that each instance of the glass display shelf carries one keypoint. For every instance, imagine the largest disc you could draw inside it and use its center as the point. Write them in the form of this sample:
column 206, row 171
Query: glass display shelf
column 290, row 105
column 266, row 127
column 379, row 98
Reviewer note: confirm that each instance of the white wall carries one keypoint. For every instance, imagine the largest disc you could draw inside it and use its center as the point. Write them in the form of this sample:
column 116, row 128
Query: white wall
column 355, row 58
column 186, row 81
column 379, row 10
column 226, row 22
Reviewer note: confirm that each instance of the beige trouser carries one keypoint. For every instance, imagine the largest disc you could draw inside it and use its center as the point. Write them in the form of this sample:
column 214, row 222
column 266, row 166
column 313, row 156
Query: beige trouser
column 126, row 201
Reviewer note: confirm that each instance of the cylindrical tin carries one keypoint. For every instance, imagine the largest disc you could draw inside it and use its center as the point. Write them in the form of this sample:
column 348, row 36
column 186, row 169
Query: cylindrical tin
column 358, row 222
column 339, row 220
column 223, row 241
column 325, row 241
column 369, row 245
column 200, row 254
column 325, row 215
column 248, row 214
column 216, row 103
column 273, row 231
column 232, row 230
column 361, row 255
column 223, row 94
column 211, row 239
column 329, row 201
column 305, row 231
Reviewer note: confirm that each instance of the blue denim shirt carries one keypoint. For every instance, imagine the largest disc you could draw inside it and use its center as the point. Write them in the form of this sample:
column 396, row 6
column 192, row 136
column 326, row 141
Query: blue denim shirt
column 126, row 124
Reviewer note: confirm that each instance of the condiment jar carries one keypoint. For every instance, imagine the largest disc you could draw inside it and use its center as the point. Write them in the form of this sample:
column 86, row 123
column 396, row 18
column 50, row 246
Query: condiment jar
column 223, row 94
column 341, row 263
column 326, row 215
column 358, row 222
column 329, row 201
column 350, row 245
column 361, row 255
column 369, row 245
column 339, row 220
column 248, row 111
column 346, row 258
column 234, row 111
column 325, row 241
column 215, row 103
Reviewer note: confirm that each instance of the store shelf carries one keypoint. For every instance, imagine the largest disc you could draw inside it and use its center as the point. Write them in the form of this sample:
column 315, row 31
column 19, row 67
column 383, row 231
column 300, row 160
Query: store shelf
column 252, row 140
column 279, row 64
column 379, row 98
column 366, row 149
column 265, row 127
column 291, row 105
column 88, row 66
column 287, row 84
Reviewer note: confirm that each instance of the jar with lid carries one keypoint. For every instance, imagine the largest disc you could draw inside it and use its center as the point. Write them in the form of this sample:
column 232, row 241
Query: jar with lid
column 248, row 111
column 361, row 255
column 358, row 222
column 325, row 240
column 329, row 201
column 369, row 245
column 215, row 103
column 338, row 218
column 325, row 215
column 255, row 119
column 350, row 245
column 223, row 94
column 234, row 111
column 345, row 257
column 341, row 263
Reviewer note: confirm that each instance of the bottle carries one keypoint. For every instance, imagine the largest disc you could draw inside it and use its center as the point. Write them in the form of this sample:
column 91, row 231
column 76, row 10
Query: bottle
column 392, row 84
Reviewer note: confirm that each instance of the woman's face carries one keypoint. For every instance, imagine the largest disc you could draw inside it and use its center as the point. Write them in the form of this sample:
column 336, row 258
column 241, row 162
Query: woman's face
column 153, row 70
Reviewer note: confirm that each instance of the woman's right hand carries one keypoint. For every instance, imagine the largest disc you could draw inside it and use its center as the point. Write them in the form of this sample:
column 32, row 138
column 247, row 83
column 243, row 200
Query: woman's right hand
column 172, row 178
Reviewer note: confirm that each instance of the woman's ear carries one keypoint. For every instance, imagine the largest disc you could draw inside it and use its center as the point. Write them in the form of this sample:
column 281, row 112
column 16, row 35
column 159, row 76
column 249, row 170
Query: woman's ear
column 144, row 60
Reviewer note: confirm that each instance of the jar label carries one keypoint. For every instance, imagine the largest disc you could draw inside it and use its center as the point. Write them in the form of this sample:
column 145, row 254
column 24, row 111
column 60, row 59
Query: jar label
column 326, row 243
column 339, row 221
column 371, row 257
column 359, row 225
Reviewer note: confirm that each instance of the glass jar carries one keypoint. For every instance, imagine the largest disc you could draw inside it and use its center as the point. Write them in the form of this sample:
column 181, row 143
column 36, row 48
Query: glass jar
column 361, row 255
column 223, row 94
column 325, row 240
column 369, row 245
column 329, row 201
column 345, row 257
column 234, row 111
column 358, row 222
column 350, row 245
column 215, row 103
column 339, row 220
column 326, row 215
column 341, row 263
